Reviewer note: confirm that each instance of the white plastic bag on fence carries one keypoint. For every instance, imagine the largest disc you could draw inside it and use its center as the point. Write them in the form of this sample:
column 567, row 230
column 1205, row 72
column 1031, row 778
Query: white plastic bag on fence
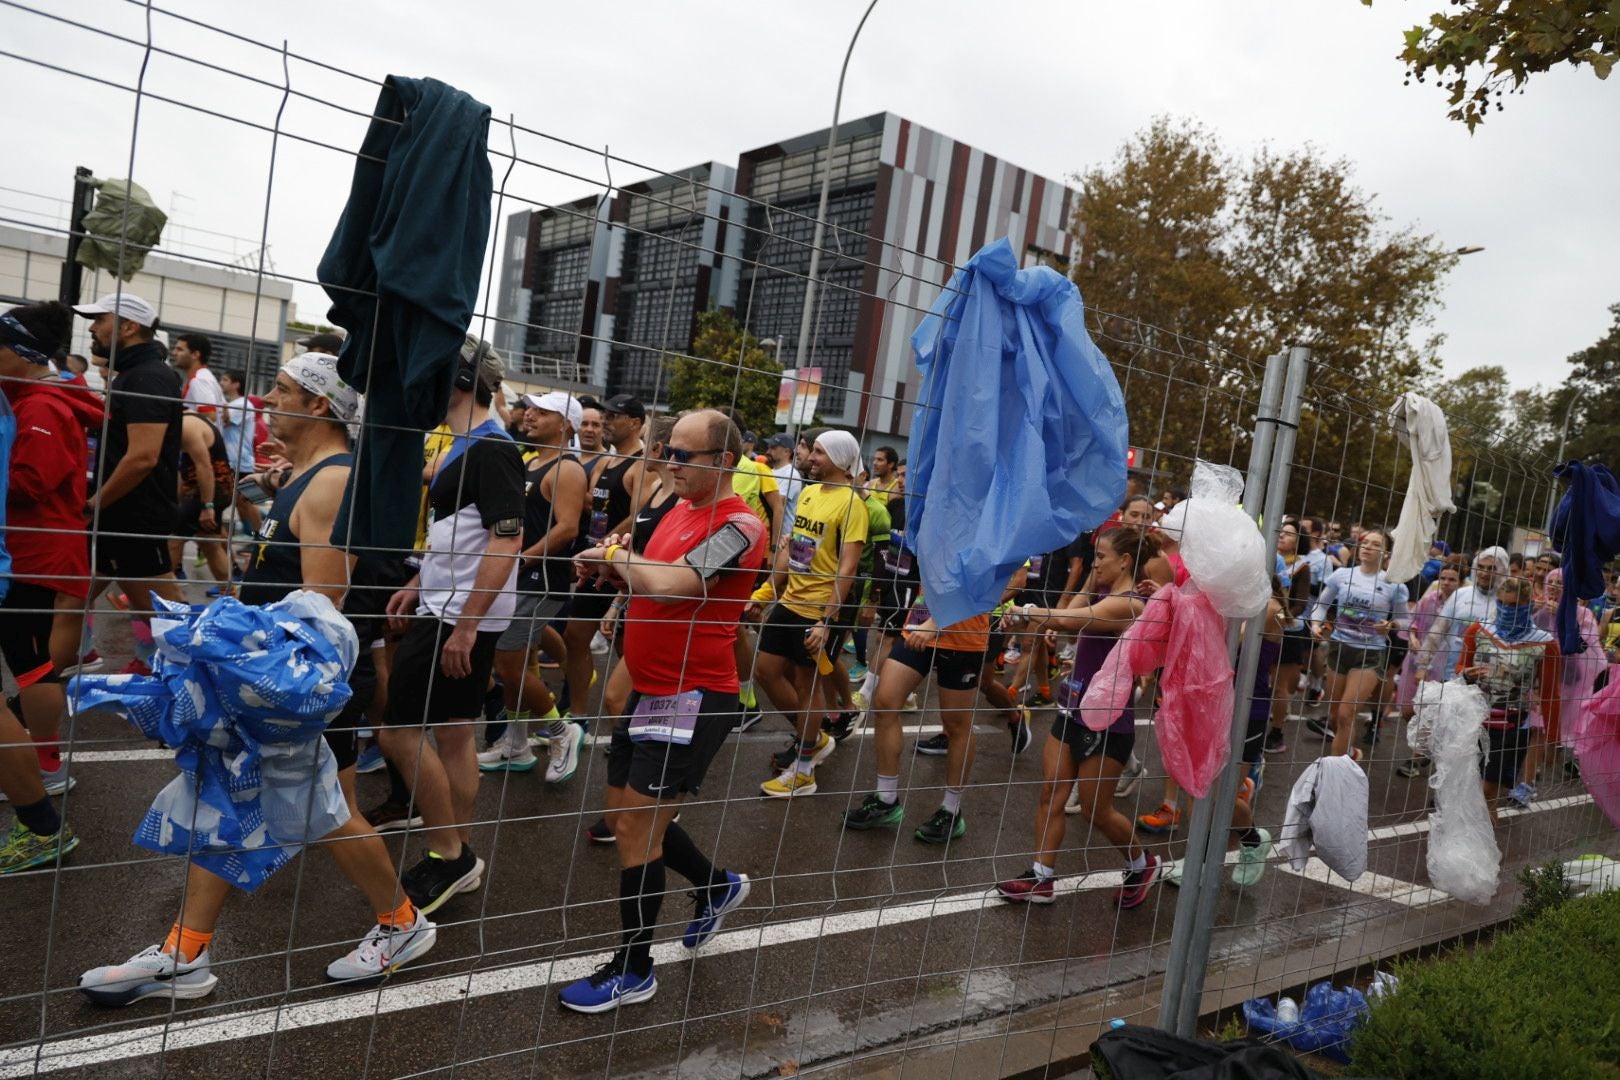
column 1223, row 549
column 1448, row 727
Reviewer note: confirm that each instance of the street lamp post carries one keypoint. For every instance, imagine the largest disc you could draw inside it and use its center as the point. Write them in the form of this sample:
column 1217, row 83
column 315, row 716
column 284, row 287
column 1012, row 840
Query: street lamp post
column 821, row 207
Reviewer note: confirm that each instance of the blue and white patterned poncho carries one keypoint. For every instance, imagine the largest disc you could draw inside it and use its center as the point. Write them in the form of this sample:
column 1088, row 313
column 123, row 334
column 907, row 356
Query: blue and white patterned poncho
column 244, row 694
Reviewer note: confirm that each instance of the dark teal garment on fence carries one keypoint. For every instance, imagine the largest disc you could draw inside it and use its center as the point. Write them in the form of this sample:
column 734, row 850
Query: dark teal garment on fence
column 402, row 269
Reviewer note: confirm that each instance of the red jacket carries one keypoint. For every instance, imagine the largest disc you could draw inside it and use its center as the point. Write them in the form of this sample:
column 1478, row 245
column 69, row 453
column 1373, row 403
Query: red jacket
column 45, row 528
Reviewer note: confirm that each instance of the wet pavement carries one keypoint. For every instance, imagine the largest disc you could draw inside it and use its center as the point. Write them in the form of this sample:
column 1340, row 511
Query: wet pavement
column 852, row 945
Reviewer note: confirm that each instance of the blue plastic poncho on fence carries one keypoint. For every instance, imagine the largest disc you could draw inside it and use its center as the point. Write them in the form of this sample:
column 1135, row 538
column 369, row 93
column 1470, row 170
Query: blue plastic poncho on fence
column 244, row 694
column 1019, row 436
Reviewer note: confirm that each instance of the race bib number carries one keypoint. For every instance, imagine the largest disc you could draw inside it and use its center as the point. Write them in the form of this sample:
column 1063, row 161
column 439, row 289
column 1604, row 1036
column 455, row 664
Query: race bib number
column 599, row 525
column 668, row 719
column 1068, row 694
column 801, row 549
column 919, row 614
column 897, row 560
column 1035, row 565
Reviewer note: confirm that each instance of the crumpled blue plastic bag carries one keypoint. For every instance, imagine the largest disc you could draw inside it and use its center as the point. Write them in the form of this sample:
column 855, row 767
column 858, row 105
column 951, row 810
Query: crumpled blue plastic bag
column 1327, row 1018
column 1018, row 437
column 244, row 695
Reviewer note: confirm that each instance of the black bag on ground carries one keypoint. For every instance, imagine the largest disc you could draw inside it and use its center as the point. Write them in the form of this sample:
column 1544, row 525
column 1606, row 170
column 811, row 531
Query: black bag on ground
column 1144, row 1053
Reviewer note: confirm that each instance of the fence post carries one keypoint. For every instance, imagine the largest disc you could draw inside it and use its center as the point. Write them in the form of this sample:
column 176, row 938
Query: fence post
column 1275, row 494
column 1181, row 963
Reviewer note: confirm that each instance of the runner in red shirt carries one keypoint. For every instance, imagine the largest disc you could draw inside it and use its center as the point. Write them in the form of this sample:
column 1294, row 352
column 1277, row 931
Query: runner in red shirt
column 687, row 592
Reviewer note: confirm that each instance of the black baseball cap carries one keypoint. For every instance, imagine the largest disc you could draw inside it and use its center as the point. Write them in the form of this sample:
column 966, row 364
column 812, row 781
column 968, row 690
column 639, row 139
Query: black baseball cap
column 325, row 342
column 625, row 405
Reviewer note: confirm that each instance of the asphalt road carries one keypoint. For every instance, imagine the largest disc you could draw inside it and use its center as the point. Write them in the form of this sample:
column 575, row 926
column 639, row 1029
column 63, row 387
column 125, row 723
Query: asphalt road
column 850, row 943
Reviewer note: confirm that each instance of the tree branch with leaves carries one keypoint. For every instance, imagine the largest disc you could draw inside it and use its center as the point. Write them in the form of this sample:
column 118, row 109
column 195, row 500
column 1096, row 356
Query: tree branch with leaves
column 1479, row 51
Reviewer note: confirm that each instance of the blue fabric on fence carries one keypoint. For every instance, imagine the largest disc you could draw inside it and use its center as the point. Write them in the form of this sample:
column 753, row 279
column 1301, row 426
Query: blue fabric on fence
column 244, row 694
column 1019, row 435
column 1586, row 532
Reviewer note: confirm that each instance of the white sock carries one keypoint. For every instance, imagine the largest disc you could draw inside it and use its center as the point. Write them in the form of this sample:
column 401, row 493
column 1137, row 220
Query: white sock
column 1044, row 872
column 1140, row 862
column 953, row 800
column 888, row 789
column 869, row 684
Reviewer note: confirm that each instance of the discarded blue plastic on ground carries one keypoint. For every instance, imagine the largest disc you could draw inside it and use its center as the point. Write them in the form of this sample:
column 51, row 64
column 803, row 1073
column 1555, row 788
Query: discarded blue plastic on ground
column 244, row 694
column 1326, row 1020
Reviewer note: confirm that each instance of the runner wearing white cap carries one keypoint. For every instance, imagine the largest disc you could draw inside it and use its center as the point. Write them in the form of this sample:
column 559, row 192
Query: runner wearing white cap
column 811, row 582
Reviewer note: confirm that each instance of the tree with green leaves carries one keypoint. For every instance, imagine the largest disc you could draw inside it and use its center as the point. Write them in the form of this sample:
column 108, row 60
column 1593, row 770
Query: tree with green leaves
column 1479, row 51
column 727, row 367
column 1196, row 264
column 1594, row 399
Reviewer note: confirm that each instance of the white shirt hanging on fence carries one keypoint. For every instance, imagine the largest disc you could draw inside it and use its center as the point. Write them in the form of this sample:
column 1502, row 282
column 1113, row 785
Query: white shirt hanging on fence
column 1428, row 492
column 1328, row 809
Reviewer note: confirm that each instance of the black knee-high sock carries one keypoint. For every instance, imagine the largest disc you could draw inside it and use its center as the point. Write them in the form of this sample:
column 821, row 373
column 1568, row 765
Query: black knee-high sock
column 641, row 893
column 40, row 818
column 683, row 857
column 860, row 643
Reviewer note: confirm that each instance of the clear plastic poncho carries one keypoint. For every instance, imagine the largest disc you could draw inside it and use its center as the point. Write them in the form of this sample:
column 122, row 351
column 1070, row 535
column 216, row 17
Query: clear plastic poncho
column 1448, row 728
column 1221, row 546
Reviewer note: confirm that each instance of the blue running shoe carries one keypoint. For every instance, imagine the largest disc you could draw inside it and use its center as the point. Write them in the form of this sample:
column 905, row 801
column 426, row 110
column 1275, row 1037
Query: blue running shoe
column 607, row 988
column 709, row 914
column 370, row 761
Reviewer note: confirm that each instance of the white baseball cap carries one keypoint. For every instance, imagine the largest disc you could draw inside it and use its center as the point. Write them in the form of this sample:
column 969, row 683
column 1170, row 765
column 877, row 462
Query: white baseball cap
column 565, row 405
column 125, row 306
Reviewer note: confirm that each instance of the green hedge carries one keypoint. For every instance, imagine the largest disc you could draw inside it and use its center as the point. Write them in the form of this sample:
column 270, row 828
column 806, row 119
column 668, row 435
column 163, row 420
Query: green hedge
column 1541, row 1001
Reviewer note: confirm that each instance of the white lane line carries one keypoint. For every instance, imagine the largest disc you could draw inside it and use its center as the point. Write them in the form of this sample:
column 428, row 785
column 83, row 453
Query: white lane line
column 92, row 1050
column 158, row 754
column 1370, row 884
column 1420, row 826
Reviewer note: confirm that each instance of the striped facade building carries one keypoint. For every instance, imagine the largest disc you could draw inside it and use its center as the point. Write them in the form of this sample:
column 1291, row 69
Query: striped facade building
column 907, row 205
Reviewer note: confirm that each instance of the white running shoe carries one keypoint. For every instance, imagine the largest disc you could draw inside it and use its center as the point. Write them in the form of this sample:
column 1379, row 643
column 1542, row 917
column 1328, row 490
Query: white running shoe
column 1129, row 777
column 600, row 645
column 1073, row 805
column 509, row 753
column 384, row 951
column 149, row 973
column 564, row 751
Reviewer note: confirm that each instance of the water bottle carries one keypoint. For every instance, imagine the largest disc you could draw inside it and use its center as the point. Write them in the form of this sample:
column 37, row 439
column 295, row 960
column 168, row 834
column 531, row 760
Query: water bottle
column 1287, row 1011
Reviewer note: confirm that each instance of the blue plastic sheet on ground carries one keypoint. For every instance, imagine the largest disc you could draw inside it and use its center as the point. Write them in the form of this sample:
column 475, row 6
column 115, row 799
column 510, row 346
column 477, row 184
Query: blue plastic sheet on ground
column 244, row 695
column 1019, row 436
column 1327, row 1018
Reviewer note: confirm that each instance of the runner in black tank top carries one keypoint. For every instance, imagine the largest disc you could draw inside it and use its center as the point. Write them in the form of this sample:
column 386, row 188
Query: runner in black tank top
column 618, row 481
column 196, row 434
column 309, row 404
column 555, row 573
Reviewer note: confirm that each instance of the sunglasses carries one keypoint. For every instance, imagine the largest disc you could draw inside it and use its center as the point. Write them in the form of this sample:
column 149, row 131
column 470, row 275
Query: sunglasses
column 684, row 457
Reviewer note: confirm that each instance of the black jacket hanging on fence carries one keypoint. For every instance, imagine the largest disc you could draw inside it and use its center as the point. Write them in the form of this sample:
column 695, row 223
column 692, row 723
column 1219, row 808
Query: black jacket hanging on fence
column 402, row 269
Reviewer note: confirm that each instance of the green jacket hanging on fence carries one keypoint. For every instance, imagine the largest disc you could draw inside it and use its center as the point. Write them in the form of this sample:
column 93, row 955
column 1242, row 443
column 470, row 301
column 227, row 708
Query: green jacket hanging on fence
column 123, row 226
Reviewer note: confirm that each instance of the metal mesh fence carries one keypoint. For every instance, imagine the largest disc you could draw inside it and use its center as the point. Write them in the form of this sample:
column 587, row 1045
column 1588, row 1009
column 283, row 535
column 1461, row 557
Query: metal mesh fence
column 874, row 935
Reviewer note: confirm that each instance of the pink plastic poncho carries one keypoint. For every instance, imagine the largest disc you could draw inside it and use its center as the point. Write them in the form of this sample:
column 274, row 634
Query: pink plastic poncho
column 1582, row 669
column 1595, row 738
column 1423, row 615
column 1181, row 633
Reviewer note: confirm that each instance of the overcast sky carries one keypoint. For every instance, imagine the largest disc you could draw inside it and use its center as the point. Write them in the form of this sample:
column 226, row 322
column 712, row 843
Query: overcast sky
column 1052, row 86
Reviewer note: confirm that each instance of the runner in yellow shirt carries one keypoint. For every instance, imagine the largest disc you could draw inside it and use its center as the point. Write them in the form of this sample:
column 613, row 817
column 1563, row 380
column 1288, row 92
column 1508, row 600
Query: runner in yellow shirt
column 814, row 572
